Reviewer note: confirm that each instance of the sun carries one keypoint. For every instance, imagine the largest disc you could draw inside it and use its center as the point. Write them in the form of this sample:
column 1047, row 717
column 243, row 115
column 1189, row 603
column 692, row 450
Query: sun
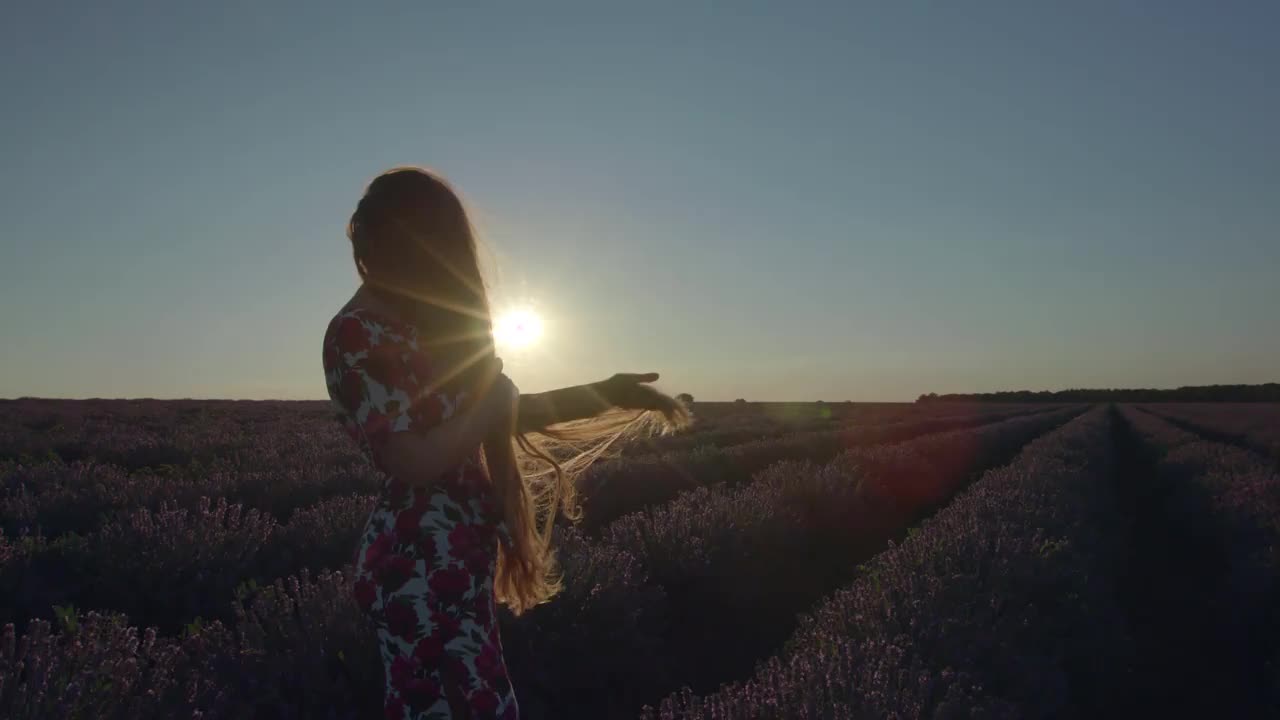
column 517, row 328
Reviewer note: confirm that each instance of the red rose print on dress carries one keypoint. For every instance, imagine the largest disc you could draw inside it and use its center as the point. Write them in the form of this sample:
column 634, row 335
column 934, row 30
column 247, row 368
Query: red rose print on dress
column 402, row 619
column 481, row 564
column 429, row 650
column 414, row 683
column 455, row 671
column 465, row 545
column 427, row 410
column 384, row 367
column 376, row 553
column 425, row 546
column 395, row 572
column 455, row 694
column 421, row 692
column 485, row 702
column 484, row 608
column 366, row 594
column 402, row 671
column 396, row 492
column 489, row 664
column 419, row 369
column 478, row 562
column 376, row 426
column 446, row 626
column 352, row 336
column 351, row 392
column 409, row 520
column 462, row 539
column 394, row 708
column 450, row 584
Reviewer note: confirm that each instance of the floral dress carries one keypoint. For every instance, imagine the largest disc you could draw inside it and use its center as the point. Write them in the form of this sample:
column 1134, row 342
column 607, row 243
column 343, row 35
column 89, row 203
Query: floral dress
column 426, row 563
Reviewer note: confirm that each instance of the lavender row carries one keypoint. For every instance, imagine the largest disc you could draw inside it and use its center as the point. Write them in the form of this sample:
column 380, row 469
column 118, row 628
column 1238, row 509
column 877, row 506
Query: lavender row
column 757, row 554
column 136, row 434
column 1225, row 503
column 999, row 606
column 169, row 566
column 617, row 487
column 53, row 498
column 1242, row 486
column 769, row 421
column 1253, row 425
column 69, row 466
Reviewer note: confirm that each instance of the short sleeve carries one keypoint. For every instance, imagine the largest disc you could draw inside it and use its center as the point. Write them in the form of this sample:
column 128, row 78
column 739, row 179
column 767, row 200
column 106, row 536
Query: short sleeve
column 380, row 380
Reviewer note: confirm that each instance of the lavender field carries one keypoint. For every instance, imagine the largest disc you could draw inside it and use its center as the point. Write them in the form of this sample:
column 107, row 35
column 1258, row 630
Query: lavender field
column 843, row 560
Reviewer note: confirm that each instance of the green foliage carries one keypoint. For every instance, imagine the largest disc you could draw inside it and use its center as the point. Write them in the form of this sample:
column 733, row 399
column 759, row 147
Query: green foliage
column 68, row 617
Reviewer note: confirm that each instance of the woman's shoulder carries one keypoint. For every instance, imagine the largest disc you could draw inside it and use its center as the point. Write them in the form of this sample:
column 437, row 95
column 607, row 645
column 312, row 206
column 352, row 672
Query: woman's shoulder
column 356, row 329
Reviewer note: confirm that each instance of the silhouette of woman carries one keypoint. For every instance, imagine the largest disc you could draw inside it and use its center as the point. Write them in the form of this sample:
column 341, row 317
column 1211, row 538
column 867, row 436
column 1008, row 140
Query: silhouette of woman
column 409, row 362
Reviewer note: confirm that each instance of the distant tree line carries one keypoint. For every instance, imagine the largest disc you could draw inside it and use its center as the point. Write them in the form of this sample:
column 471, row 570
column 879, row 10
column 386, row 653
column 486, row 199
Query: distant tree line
column 1268, row 392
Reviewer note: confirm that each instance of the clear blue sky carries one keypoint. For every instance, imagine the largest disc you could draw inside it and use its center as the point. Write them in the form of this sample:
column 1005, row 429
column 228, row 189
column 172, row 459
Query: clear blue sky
column 765, row 200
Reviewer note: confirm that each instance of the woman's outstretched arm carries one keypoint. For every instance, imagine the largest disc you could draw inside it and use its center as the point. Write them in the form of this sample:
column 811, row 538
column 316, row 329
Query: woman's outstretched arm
column 539, row 410
column 626, row 390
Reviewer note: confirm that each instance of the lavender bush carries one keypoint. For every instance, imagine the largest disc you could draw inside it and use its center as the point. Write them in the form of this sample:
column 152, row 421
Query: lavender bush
column 55, row 498
column 323, row 536
column 96, row 666
column 596, row 650
column 300, row 649
column 173, row 565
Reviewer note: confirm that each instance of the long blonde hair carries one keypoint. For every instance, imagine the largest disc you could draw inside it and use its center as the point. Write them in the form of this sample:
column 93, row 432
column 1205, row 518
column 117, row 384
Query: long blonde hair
column 414, row 244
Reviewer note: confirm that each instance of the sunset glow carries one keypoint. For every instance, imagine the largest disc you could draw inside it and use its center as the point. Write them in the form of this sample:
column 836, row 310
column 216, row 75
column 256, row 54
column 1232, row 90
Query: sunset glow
column 517, row 328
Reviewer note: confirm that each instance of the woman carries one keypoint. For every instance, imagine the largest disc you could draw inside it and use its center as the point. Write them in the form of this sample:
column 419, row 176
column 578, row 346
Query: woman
column 409, row 363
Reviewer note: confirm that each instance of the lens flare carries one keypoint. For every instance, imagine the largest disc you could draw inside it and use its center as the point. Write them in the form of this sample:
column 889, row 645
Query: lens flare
column 517, row 328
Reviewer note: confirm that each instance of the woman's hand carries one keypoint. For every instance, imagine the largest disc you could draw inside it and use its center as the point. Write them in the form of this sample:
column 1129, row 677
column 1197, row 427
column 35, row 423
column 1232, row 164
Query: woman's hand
column 630, row 391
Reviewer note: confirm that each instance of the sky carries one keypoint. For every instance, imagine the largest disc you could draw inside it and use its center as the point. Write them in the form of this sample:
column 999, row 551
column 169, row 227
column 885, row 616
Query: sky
column 774, row 201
